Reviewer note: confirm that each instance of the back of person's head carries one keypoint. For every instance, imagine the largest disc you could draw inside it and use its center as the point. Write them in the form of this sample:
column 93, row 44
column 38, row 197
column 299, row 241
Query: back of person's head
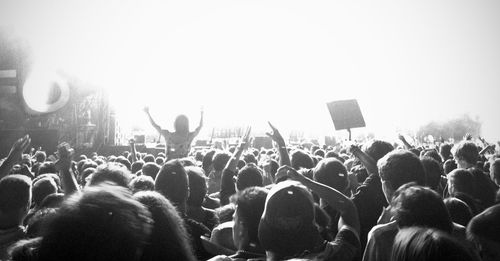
column 484, row 188
column 207, row 161
column 136, row 166
column 101, row 223
column 287, row 227
column 241, row 164
column 54, row 200
column 197, row 186
column 111, row 172
column 172, row 182
column 249, row 176
column 420, row 206
column 466, row 151
column 249, row 207
column 460, row 212
column 142, row 183
column 319, row 152
column 332, row 173
column 159, row 160
column 249, row 158
column 445, row 152
column 461, row 180
column 150, row 169
column 38, row 221
column 433, row 154
column 495, row 171
column 187, row 162
column 181, row 123
column 46, row 167
column 220, row 160
column 169, row 239
column 433, row 172
column 149, row 158
column 125, row 162
column 300, row 159
column 400, row 167
column 422, row 244
column 40, row 156
column 332, row 154
column 85, row 176
column 484, row 231
column 377, row 148
column 42, row 188
column 15, row 198
column 449, row 165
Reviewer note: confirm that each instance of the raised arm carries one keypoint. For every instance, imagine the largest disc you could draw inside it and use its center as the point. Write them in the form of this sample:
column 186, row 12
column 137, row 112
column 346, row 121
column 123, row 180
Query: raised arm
column 153, row 123
column 405, row 143
column 335, row 199
column 369, row 163
column 63, row 165
column 131, row 142
column 197, row 130
column 283, row 152
column 242, row 146
column 15, row 155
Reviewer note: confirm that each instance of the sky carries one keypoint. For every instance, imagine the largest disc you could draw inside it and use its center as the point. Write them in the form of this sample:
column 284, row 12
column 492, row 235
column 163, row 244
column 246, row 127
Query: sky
column 249, row 62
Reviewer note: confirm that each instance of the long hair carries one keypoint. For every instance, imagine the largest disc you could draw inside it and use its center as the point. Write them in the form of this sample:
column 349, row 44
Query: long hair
column 181, row 124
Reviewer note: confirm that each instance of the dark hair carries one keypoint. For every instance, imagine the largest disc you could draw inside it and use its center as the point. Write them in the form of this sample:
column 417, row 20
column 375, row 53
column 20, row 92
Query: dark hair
column 197, row 186
column 495, row 170
column 467, row 151
column 160, row 160
column 15, row 193
column 460, row 212
column 113, row 172
column 40, row 156
column 172, row 182
column 462, row 181
column 433, row 172
column 445, row 152
column 400, row 167
column 250, row 204
column 377, row 149
column 419, row 244
column 449, row 165
column 227, row 187
column 169, row 239
column 220, row 160
column 42, row 188
column 142, row 183
column 149, row 158
column 181, row 123
column 319, row 152
column 125, row 162
column 38, row 221
column 420, row 206
column 434, row 155
column 300, row 159
column 136, row 166
column 207, row 160
column 150, row 169
column 46, row 167
column 332, row 173
column 249, row 176
column 249, row 158
column 52, row 201
column 484, row 188
column 101, row 223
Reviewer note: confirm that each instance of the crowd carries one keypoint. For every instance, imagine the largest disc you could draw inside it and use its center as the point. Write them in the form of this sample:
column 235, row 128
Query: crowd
column 374, row 201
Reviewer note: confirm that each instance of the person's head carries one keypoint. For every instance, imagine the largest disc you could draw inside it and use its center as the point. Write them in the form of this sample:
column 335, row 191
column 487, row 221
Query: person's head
column 460, row 212
column 206, row 163
column 220, row 160
column 142, row 183
column 172, row 182
column 249, row 205
column 332, row 173
column 150, row 169
column 495, row 171
column 149, row 158
column 124, row 161
column 181, row 124
column 101, row 223
column 319, row 152
column 249, row 176
column 445, row 152
column 414, row 205
column 111, row 172
column 433, row 172
column 300, row 159
column 197, row 186
column 449, row 165
column 15, row 200
column 287, row 227
column 249, row 158
column 466, row 154
column 46, row 167
column 86, row 175
column 42, row 188
column 420, row 244
column 136, row 166
column 38, row 221
column 377, row 148
column 54, row 200
column 40, row 156
column 484, row 231
column 433, row 154
column 160, row 160
column 399, row 167
column 169, row 239
column 461, row 180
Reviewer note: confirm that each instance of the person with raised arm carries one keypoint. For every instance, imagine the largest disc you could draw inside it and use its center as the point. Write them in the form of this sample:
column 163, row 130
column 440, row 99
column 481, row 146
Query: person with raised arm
column 15, row 155
column 63, row 165
column 280, row 142
column 178, row 143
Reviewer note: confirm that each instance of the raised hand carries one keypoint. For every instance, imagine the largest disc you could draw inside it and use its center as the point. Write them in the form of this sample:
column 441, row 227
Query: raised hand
column 245, row 140
column 146, row 109
column 467, row 136
column 275, row 135
column 17, row 149
column 64, row 152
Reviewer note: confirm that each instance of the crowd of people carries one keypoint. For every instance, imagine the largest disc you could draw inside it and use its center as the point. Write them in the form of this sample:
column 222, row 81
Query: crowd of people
column 372, row 201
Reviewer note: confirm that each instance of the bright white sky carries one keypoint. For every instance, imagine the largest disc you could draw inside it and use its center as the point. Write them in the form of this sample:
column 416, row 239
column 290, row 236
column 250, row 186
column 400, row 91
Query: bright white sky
column 251, row 61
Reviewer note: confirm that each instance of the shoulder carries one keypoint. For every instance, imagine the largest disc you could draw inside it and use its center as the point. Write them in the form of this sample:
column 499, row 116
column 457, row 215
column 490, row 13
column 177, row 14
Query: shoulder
column 383, row 229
